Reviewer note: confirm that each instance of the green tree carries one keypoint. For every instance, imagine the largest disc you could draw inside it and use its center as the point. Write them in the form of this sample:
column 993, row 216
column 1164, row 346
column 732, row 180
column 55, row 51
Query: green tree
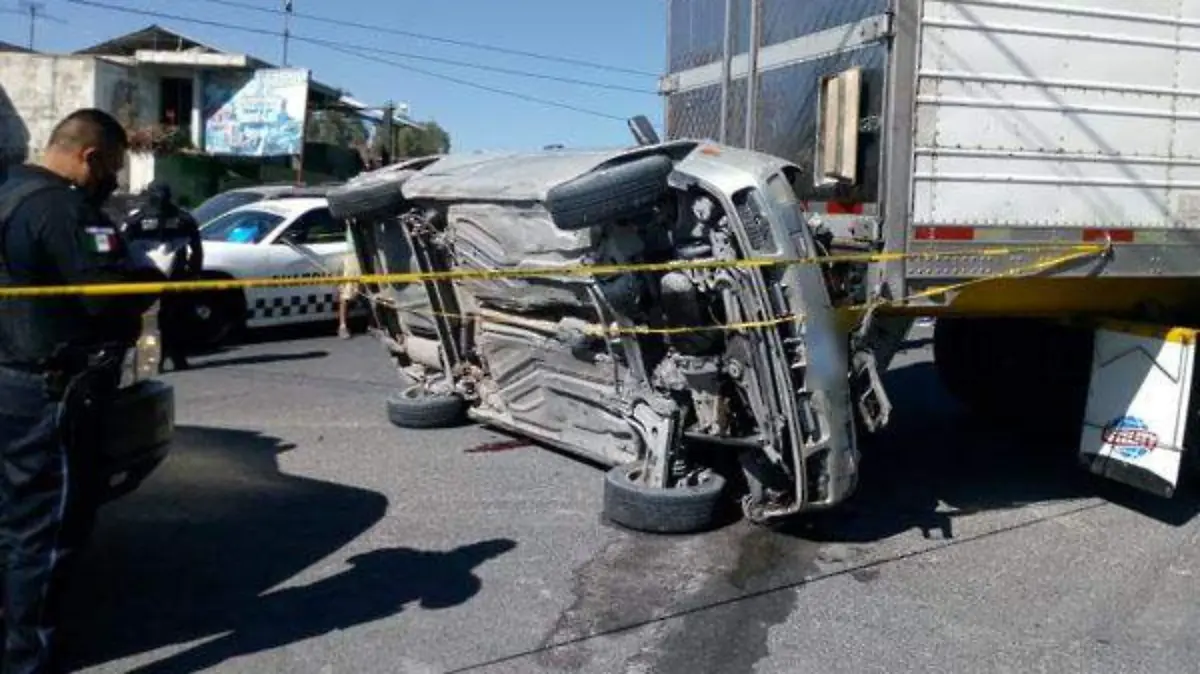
column 415, row 142
column 337, row 128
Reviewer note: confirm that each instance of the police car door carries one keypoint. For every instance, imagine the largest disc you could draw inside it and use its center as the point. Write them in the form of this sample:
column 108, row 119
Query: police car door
column 314, row 245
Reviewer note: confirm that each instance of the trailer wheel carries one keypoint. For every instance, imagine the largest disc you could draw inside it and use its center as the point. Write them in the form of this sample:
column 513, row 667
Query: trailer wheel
column 371, row 194
column 1014, row 368
column 677, row 510
column 622, row 191
column 420, row 408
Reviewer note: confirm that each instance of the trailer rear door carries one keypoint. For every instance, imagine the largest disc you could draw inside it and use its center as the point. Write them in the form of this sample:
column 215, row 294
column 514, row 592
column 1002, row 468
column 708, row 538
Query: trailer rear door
column 1058, row 120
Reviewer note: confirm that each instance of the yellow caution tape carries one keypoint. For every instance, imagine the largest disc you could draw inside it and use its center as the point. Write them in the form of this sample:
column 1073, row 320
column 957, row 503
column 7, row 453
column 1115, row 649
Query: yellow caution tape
column 741, row 326
column 112, row 289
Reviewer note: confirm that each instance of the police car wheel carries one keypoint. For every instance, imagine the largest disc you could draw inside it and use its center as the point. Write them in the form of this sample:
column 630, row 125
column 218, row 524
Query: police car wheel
column 418, row 407
column 215, row 317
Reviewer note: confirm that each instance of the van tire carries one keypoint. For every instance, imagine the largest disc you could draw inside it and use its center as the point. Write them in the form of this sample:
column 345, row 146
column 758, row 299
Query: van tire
column 374, row 194
column 419, row 408
column 616, row 192
column 676, row 510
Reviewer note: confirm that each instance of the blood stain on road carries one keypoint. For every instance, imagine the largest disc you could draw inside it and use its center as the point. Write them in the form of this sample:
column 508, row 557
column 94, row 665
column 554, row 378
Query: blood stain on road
column 503, row 446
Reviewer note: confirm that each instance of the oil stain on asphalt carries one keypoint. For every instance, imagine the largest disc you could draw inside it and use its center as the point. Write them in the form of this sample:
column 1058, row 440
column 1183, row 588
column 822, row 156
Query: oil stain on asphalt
column 705, row 603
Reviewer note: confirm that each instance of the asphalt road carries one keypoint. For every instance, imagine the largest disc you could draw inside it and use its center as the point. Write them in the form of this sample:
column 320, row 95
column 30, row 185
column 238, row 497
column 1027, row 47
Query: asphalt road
column 294, row 530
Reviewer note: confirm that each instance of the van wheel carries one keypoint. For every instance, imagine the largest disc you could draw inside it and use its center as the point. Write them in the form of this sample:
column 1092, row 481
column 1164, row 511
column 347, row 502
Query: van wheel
column 687, row 508
column 370, row 194
column 418, row 407
column 622, row 191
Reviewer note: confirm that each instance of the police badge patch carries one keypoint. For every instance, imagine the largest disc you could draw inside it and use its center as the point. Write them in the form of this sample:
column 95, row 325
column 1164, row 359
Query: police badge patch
column 101, row 239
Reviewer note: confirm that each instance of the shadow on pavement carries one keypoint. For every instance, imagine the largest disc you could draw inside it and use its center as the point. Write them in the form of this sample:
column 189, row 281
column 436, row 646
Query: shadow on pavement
column 378, row 585
column 260, row 359
column 358, row 325
column 934, row 464
column 188, row 555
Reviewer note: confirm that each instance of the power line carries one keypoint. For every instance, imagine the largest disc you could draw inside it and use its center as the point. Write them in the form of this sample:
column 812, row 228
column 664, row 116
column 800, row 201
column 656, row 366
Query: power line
column 477, row 66
column 349, row 51
column 435, row 38
column 468, row 83
column 387, row 52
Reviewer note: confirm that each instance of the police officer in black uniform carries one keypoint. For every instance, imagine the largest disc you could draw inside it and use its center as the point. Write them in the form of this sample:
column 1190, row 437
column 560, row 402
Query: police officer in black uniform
column 158, row 219
column 57, row 371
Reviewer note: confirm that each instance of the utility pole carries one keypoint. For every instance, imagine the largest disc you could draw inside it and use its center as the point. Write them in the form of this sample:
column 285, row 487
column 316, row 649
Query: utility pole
column 287, row 28
column 36, row 11
column 389, row 138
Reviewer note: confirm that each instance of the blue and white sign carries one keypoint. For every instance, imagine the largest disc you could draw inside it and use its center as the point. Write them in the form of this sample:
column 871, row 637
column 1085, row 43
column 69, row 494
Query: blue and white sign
column 255, row 114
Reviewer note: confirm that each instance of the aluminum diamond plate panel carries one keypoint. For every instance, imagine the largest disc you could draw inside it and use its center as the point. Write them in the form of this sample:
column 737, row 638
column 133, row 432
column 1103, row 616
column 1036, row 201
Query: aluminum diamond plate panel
column 787, row 122
column 697, row 33
column 695, row 113
column 785, row 20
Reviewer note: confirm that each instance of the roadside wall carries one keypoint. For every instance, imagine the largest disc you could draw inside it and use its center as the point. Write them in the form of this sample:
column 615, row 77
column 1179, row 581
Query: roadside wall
column 37, row 90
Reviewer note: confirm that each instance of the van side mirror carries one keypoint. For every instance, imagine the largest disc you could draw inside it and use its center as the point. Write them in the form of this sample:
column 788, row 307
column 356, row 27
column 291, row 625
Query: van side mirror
column 643, row 131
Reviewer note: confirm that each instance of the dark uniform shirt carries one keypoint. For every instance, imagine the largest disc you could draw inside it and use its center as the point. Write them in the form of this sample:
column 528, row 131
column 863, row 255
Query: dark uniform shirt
column 149, row 222
column 56, row 237
column 155, row 222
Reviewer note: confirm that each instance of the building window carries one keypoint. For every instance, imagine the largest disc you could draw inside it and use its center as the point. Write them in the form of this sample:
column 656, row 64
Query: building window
column 175, row 108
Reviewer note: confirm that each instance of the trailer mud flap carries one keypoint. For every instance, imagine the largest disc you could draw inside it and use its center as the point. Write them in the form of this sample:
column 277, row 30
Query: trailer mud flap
column 1138, row 405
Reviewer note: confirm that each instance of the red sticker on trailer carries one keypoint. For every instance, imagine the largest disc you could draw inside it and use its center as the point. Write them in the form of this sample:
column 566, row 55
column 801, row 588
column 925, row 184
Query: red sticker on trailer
column 843, row 208
column 1103, row 235
column 944, row 233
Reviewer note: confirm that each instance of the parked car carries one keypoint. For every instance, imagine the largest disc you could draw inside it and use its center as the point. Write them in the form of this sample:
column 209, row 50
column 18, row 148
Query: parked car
column 280, row 238
column 220, row 204
column 143, row 412
column 590, row 364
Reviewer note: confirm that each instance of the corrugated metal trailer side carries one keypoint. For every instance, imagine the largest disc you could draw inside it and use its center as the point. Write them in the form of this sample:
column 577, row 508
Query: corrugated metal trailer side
column 1057, row 121
column 982, row 123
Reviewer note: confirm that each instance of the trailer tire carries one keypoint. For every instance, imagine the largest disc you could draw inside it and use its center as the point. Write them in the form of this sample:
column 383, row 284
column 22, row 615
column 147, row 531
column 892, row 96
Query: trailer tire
column 1014, row 368
column 612, row 193
column 417, row 407
column 677, row 510
column 374, row 194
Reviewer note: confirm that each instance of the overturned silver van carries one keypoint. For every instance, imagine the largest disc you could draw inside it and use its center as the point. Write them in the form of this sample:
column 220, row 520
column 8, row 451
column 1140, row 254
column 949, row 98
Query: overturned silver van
column 666, row 363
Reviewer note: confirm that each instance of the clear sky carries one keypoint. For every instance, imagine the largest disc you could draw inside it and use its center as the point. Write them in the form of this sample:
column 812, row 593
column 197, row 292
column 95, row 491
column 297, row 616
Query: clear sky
column 627, row 34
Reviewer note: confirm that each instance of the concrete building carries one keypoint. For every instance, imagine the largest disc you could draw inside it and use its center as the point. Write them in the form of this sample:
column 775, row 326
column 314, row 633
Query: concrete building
column 149, row 78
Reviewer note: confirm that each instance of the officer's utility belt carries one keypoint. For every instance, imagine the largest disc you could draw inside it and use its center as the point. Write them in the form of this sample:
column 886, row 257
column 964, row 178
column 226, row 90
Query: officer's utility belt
column 71, row 363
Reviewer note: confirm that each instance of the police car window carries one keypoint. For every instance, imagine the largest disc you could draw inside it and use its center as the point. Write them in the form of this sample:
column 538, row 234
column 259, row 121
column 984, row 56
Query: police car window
column 317, row 226
column 216, row 206
column 241, row 227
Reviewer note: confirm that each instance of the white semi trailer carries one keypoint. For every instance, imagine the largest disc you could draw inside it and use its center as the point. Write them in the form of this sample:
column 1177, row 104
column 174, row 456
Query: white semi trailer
column 1040, row 157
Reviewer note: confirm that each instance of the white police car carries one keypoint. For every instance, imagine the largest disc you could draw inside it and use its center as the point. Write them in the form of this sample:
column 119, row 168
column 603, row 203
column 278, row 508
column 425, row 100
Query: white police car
column 285, row 238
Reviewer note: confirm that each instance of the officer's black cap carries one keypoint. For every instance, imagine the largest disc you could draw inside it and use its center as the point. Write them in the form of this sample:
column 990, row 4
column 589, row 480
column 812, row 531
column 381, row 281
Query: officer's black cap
column 159, row 191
